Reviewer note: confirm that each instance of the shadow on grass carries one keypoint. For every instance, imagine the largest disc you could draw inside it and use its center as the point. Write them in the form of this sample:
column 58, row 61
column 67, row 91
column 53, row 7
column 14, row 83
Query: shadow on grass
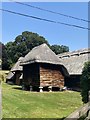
column 17, row 88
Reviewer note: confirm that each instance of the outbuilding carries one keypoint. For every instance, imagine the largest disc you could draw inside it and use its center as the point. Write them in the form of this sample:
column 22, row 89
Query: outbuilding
column 74, row 62
column 10, row 78
column 43, row 70
column 17, row 71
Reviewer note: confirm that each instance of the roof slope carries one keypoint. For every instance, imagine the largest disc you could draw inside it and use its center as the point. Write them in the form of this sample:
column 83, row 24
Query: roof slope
column 10, row 75
column 74, row 61
column 17, row 66
column 41, row 54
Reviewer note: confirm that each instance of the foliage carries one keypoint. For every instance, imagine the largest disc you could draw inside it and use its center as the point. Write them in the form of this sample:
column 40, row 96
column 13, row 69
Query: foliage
column 5, row 59
column 24, row 104
column 85, row 82
column 59, row 49
column 22, row 45
column 3, row 75
column 0, row 50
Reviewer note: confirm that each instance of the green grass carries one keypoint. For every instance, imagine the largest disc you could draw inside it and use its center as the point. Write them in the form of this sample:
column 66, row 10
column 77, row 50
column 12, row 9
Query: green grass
column 24, row 104
column 3, row 74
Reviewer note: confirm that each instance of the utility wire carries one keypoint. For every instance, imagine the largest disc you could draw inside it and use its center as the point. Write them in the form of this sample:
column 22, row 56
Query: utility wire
column 44, row 19
column 58, row 13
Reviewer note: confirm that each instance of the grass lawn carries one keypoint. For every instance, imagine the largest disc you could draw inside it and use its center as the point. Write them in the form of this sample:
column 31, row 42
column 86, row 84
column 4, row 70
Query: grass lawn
column 3, row 74
column 24, row 104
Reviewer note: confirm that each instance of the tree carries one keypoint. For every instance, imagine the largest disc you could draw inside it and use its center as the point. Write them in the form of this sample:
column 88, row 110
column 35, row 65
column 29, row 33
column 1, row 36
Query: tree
column 59, row 49
column 85, row 82
column 5, row 62
column 0, row 50
column 23, row 44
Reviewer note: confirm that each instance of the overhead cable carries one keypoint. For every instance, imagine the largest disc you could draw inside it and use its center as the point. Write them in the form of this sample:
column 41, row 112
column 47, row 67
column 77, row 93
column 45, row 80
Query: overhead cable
column 50, row 11
column 44, row 19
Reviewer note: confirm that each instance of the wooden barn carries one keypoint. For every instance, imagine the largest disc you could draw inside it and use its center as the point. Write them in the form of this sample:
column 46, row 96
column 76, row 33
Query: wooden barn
column 74, row 62
column 42, row 69
column 17, row 71
column 10, row 78
column 0, row 64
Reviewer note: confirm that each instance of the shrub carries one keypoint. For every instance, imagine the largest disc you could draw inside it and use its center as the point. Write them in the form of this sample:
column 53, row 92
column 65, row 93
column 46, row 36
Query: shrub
column 85, row 82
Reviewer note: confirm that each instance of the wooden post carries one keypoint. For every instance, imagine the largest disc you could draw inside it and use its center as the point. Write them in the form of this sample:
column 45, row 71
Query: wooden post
column 31, row 89
column 23, row 87
column 60, row 89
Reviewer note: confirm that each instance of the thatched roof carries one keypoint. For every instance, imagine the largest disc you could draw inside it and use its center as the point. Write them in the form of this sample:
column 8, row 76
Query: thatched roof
column 10, row 75
column 41, row 54
column 17, row 66
column 74, row 61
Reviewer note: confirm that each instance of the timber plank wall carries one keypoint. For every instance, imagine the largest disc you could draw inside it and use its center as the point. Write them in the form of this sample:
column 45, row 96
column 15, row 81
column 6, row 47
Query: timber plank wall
column 31, row 74
column 40, row 74
column 50, row 75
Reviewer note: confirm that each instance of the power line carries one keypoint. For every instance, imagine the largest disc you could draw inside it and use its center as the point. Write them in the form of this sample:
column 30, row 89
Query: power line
column 44, row 19
column 58, row 13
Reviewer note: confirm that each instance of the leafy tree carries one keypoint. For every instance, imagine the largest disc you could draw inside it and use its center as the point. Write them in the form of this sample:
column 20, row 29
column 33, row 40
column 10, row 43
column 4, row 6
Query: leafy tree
column 85, row 82
column 5, row 62
column 0, row 50
column 59, row 49
column 23, row 44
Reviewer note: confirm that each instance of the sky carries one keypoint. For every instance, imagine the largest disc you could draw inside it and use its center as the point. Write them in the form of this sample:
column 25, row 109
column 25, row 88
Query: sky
column 75, row 38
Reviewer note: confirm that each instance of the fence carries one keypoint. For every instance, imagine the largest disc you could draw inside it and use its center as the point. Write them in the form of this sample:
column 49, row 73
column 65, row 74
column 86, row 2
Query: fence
column 84, row 110
column 79, row 112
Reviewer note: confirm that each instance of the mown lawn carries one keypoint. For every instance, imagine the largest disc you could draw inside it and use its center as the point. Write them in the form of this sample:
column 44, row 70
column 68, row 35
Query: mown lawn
column 3, row 74
column 24, row 104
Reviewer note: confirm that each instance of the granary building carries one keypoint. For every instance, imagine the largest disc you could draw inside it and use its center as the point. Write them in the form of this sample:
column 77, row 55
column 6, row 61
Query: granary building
column 10, row 77
column 43, row 70
column 74, row 62
column 17, row 72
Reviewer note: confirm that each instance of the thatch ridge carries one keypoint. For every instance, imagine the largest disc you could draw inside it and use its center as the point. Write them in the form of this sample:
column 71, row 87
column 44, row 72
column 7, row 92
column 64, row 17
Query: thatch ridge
column 74, row 61
column 41, row 54
column 17, row 66
column 74, row 53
